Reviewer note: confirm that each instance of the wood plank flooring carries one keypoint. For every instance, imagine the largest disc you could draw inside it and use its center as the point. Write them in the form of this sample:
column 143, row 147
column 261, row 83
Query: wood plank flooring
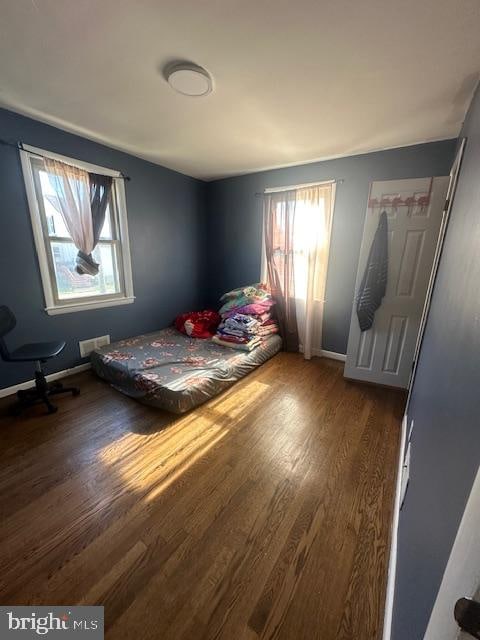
column 263, row 514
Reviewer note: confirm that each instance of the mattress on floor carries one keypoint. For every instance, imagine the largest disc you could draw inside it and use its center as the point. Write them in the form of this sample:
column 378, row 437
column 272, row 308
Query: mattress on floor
column 171, row 371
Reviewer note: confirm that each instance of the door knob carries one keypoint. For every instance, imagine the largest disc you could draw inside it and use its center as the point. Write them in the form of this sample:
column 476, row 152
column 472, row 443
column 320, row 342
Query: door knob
column 467, row 615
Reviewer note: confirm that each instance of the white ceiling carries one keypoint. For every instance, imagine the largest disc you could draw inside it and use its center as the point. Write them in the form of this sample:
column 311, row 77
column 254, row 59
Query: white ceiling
column 295, row 80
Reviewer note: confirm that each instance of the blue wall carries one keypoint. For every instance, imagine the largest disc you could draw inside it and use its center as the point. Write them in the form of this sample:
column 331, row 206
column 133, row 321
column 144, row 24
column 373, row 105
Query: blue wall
column 234, row 221
column 190, row 241
column 445, row 407
column 165, row 211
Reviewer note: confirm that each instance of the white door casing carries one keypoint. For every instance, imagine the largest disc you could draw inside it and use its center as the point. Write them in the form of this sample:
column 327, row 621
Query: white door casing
column 384, row 354
column 452, row 187
column 462, row 574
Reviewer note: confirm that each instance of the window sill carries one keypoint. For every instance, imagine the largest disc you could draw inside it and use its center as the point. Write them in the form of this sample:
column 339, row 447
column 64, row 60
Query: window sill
column 86, row 306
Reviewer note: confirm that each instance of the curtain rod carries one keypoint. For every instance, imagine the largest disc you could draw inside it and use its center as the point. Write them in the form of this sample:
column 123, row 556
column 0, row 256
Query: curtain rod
column 295, row 187
column 19, row 146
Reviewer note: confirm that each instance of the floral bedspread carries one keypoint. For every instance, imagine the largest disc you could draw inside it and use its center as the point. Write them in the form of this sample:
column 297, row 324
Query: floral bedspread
column 174, row 372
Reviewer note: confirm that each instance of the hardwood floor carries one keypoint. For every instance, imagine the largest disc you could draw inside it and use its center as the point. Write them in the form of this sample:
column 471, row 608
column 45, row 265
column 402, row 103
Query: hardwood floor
column 263, row 514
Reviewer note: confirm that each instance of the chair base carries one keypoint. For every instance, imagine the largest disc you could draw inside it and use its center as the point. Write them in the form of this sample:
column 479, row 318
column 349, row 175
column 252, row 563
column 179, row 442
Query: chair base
column 41, row 392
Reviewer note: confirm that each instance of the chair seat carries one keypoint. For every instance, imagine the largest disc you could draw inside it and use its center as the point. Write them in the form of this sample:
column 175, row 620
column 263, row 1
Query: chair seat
column 37, row 351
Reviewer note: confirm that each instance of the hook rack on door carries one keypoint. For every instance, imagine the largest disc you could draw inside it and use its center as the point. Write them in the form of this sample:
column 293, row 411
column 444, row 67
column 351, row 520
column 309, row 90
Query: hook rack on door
column 421, row 201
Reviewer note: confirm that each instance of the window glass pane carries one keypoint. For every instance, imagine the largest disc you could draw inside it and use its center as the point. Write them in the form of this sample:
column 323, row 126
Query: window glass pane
column 70, row 284
column 106, row 232
column 309, row 237
column 55, row 224
column 106, row 256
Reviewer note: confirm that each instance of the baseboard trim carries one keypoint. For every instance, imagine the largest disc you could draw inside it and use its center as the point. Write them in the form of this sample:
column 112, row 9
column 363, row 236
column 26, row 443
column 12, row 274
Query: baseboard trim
column 7, row 391
column 392, row 562
column 333, row 355
column 322, row 353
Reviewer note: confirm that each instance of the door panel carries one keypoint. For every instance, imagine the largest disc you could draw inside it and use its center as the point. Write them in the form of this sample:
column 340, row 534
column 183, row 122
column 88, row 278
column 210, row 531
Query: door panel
column 409, row 264
column 395, row 344
column 366, row 349
column 384, row 354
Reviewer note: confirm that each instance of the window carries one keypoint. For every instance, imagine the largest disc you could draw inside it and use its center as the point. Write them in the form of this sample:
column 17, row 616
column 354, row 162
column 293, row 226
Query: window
column 297, row 229
column 309, row 212
column 65, row 289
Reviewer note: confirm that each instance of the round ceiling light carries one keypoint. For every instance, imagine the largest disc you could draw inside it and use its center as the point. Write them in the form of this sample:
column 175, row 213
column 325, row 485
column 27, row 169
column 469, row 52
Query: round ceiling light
column 189, row 79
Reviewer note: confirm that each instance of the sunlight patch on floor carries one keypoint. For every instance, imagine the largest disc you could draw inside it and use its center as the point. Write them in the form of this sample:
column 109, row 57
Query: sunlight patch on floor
column 149, row 463
column 239, row 398
column 175, row 472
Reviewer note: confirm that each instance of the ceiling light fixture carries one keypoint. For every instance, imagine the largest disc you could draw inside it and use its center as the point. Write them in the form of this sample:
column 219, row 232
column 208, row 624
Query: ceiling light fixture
column 188, row 79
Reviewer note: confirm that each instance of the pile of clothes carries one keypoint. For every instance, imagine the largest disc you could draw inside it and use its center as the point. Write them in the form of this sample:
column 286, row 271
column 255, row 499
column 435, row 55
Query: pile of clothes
column 246, row 317
column 198, row 324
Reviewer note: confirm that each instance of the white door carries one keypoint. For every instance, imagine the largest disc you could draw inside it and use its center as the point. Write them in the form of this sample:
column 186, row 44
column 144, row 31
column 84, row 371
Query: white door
column 384, row 354
column 462, row 575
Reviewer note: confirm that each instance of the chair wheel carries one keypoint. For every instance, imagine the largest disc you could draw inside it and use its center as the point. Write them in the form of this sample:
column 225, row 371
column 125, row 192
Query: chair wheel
column 76, row 392
column 52, row 409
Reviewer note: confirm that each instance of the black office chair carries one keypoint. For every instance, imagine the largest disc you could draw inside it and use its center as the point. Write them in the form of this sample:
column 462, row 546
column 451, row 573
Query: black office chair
column 38, row 352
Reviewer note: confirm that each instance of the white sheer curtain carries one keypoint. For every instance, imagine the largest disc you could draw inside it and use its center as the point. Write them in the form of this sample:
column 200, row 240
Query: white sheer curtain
column 72, row 188
column 312, row 225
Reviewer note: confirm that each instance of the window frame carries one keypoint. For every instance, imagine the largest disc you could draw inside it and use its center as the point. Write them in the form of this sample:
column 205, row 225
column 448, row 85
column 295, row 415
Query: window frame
column 53, row 304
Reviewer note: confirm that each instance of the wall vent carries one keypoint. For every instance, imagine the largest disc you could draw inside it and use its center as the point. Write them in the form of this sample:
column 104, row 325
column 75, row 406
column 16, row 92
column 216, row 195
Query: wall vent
column 87, row 346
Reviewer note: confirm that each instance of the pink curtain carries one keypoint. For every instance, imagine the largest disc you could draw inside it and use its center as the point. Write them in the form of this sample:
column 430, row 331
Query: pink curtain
column 279, row 224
